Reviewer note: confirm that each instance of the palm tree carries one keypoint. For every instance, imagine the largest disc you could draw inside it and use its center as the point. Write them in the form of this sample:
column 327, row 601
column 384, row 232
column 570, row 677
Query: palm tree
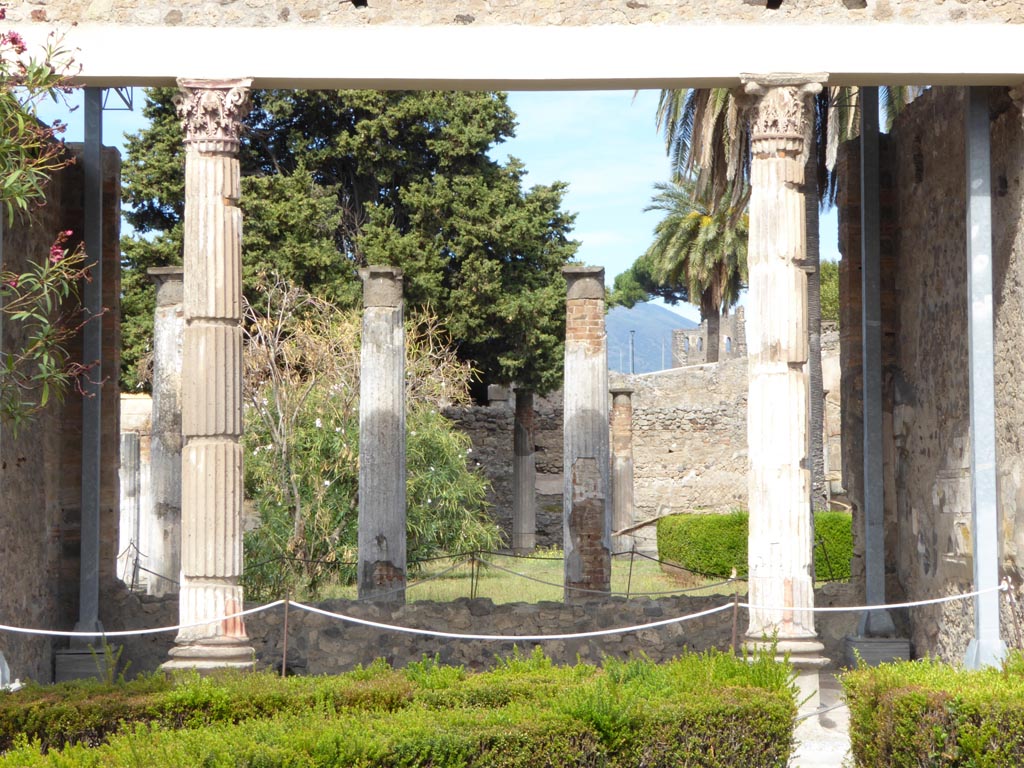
column 699, row 253
column 707, row 138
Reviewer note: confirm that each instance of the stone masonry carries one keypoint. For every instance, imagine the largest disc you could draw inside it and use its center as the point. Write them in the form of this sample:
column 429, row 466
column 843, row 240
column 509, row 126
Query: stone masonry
column 40, row 467
column 319, row 645
column 927, row 482
column 586, row 482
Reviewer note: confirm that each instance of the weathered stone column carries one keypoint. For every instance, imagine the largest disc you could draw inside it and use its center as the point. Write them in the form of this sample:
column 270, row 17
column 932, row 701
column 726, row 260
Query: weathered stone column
column 622, row 465
column 524, row 475
column 382, row 438
column 163, row 547
column 586, row 508
column 781, row 527
column 211, row 402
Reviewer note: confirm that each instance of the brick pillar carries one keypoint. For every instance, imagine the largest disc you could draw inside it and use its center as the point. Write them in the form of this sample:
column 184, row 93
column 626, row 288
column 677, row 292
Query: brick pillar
column 211, row 407
column 622, row 466
column 781, row 528
column 524, row 475
column 382, row 555
column 586, row 498
column 163, row 545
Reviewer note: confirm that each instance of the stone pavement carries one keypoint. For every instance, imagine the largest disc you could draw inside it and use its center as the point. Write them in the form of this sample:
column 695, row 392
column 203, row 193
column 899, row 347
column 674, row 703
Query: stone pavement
column 823, row 740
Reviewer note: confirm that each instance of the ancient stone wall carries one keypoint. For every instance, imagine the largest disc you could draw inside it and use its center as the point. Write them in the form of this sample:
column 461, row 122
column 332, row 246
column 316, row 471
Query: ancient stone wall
column 265, row 13
column 40, row 466
column 320, row 645
column 928, row 483
column 690, row 439
column 689, row 345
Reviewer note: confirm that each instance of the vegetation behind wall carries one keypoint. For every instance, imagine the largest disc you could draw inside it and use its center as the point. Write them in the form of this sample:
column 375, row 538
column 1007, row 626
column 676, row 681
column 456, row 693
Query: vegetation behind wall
column 715, row 545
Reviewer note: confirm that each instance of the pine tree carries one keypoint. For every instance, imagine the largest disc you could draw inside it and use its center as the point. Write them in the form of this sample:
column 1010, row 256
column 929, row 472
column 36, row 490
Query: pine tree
column 333, row 181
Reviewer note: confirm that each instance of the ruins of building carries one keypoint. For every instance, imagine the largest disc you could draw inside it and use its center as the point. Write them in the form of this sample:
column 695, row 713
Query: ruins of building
column 216, row 53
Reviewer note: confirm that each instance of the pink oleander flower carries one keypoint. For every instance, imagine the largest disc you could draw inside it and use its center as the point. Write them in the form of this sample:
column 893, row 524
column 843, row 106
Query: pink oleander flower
column 56, row 253
column 3, row 12
column 13, row 282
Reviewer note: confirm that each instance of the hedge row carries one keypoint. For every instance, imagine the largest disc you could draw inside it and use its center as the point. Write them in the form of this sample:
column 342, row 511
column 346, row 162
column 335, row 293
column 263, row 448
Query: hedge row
column 928, row 713
column 705, row 710
column 715, row 544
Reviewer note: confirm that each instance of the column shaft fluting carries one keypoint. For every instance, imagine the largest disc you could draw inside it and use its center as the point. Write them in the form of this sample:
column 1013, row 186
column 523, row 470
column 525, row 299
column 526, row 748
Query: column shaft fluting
column 781, row 528
column 586, row 516
column 382, row 546
column 524, row 475
column 211, row 404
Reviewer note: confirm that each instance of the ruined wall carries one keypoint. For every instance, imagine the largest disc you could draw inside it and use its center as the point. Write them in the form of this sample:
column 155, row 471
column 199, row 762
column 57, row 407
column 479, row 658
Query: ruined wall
column 319, row 645
column 263, row 13
column 928, row 483
column 690, row 439
column 689, row 345
column 40, row 467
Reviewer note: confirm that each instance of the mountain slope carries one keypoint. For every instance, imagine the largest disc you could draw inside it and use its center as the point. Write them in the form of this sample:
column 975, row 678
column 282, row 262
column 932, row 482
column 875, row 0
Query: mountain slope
column 652, row 340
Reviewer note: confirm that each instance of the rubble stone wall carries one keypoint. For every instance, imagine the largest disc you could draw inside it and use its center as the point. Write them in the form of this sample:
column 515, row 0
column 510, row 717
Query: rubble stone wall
column 40, row 466
column 319, row 645
column 927, row 432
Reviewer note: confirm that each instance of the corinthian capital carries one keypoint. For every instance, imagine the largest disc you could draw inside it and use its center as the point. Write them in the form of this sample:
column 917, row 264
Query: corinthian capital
column 780, row 109
column 212, row 111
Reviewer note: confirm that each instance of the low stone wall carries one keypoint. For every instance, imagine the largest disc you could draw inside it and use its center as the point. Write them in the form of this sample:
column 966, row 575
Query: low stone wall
column 319, row 645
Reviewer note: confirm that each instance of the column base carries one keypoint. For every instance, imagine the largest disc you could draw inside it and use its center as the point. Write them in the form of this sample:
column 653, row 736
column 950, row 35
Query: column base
column 803, row 653
column 210, row 655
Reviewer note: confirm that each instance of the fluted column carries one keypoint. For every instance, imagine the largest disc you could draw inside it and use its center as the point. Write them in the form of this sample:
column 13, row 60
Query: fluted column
column 586, row 508
column 781, row 527
column 163, row 545
column 622, row 465
column 211, row 405
column 524, row 475
column 382, row 552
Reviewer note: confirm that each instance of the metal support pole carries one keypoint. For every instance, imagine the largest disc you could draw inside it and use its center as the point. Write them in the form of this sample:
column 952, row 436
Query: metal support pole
column 872, row 623
column 986, row 648
column 92, row 353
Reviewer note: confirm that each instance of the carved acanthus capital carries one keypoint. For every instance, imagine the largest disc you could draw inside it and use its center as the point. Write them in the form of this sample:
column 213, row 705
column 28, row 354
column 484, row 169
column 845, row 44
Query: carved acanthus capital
column 780, row 110
column 212, row 111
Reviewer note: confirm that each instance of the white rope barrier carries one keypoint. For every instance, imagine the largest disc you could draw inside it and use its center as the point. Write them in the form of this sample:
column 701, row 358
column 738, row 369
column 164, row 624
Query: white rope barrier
column 150, row 631
column 531, row 638
column 1003, row 587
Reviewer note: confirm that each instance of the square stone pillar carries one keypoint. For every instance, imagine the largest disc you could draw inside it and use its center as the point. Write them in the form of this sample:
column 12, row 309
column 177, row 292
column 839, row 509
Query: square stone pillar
column 781, row 526
column 622, row 466
column 163, row 542
column 211, row 407
column 586, row 494
column 382, row 542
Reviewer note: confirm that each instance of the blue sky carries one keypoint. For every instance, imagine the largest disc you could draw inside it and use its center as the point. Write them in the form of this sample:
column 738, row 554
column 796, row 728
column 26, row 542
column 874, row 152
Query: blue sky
column 603, row 143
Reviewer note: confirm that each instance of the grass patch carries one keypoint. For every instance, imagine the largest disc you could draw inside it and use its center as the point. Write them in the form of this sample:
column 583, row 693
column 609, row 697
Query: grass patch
column 512, row 579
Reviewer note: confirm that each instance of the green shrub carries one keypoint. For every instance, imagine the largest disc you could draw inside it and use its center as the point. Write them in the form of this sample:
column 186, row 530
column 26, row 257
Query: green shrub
column 714, row 544
column 700, row 710
column 929, row 713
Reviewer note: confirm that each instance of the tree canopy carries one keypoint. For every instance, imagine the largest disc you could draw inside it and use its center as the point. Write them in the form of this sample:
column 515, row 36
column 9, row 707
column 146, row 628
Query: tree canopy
column 336, row 180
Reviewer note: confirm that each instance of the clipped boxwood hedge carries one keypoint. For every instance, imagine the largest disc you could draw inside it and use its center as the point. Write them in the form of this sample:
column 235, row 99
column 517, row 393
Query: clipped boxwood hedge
column 928, row 713
column 714, row 544
column 705, row 710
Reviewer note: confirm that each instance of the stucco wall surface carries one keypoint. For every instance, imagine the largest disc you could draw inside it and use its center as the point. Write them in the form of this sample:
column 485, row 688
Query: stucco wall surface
column 262, row 13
